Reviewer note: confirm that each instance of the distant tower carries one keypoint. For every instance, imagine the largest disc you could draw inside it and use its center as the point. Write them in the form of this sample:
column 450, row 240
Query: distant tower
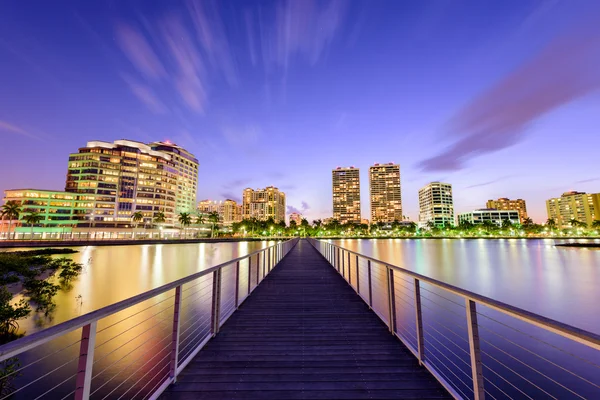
column 346, row 194
column 436, row 204
column 386, row 198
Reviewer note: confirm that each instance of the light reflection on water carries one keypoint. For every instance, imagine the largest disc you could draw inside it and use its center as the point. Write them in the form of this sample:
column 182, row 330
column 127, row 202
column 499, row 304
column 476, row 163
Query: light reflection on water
column 557, row 282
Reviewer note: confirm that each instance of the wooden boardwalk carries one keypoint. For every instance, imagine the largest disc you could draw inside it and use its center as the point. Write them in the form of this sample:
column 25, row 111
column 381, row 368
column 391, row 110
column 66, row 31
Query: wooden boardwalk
column 304, row 334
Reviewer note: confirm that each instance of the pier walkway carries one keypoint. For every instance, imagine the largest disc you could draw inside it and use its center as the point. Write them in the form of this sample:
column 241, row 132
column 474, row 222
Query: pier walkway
column 304, row 333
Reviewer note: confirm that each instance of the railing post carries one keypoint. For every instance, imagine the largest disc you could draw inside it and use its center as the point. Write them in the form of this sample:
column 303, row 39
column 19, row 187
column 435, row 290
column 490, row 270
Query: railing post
column 391, row 299
column 419, row 322
column 370, row 285
column 86, row 361
column 349, row 270
column 269, row 256
column 237, row 284
column 249, row 275
column 264, row 265
column 175, row 335
column 343, row 265
column 474, row 350
column 257, row 269
column 216, row 302
column 357, row 277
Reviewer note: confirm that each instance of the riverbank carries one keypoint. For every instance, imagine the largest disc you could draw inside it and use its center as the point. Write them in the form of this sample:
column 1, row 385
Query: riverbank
column 578, row 244
column 124, row 242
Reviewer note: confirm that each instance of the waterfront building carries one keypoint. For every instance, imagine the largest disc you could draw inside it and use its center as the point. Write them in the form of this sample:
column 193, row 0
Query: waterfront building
column 504, row 203
column 228, row 210
column 385, row 194
column 124, row 177
column 480, row 216
column 436, row 204
column 263, row 204
column 296, row 217
column 58, row 209
column 209, row 206
column 186, row 167
column 346, row 194
column 579, row 206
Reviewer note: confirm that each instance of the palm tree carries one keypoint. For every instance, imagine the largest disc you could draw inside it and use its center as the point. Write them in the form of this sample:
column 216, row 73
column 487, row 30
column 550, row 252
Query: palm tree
column 32, row 219
column 575, row 223
column 596, row 224
column 159, row 218
column 11, row 210
column 551, row 223
column 184, row 220
column 137, row 217
column 213, row 218
column 527, row 221
column 200, row 219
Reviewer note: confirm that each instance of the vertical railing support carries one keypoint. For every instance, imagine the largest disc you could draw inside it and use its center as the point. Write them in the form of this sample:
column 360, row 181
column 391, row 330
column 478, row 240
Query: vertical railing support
column 419, row 323
column 269, row 255
column 216, row 302
column 343, row 265
column 370, row 284
column 391, row 299
column 86, row 361
column 264, row 265
column 175, row 335
column 249, row 275
column 349, row 270
column 237, row 285
column 357, row 277
column 257, row 268
column 474, row 350
column 337, row 263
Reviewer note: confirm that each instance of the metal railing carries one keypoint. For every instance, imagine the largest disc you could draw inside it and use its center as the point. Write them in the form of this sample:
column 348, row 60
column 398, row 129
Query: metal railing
column 475, row 346
column 135, row 348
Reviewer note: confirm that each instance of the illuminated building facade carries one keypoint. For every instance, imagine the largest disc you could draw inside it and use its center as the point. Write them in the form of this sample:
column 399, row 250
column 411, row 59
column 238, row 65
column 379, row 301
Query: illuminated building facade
column 508, row 204
column 346, row 194
column 490, row 215
column 263, row 204
column 384, row 188
column 436, row 204
column 579, row 206
column 296, row 217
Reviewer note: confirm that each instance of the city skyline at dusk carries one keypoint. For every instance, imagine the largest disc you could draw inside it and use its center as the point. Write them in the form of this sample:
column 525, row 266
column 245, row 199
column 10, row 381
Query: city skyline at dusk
column 497, row 99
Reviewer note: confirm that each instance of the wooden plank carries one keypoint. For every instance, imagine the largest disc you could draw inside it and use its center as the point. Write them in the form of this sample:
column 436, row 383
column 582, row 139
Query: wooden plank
column 304, row 334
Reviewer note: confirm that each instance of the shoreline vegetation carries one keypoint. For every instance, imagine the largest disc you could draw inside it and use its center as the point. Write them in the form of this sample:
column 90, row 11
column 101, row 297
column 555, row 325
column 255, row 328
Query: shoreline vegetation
column 29, row 280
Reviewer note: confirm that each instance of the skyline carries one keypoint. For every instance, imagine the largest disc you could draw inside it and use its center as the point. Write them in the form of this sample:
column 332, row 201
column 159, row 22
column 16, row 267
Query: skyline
column 482, row 96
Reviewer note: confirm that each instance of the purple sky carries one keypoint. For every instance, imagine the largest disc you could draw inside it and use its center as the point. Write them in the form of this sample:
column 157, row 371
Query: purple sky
column 498, row 98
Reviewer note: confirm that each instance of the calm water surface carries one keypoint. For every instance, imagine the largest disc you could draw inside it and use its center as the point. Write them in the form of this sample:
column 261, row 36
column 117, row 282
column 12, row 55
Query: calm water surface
column 558, row 282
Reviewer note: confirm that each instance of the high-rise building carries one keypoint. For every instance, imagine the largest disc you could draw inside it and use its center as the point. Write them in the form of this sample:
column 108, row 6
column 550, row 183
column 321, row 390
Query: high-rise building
column 490, row 215
column 228, row 210
column 346, row 194
column 506, row 204
column 186, row 165
column 579, row 206
column 128, row 176
column 263, row 204
column 296, row 217
column 386, row 198
column 436, row 204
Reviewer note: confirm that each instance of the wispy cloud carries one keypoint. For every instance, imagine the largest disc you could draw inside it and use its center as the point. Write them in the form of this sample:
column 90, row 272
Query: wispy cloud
column 231, row 196
column 245, row 137
column 237, row 183
column 146, row 95
column 292, row 209
column 135, row 46
column 488, row 182
column 566, row 69
column 11, row 128
column 588, row 180
column 304, row 208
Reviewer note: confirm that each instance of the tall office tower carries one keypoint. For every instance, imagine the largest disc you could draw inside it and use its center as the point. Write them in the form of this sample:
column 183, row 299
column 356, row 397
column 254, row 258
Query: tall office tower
column 122, row 178
column 384, row 187
column 436, row 204
column 186, row 166
column 506, row 204
column 346, row 194
column 579, row 206
column 263, row 204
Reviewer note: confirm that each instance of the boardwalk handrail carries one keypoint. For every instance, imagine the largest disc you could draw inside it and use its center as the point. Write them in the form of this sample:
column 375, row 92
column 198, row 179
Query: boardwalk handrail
column 348, row 264
column 266, row 259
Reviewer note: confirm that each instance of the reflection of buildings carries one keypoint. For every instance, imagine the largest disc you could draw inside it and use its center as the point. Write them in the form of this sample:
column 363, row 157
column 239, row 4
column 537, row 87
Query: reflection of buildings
column 228, row 210
column 436, row 204
column 346, row 194
column 384, row 187
column 490, row 215
column 507, row 204
column 577, row 206
column 263, row 204
column 296, row 217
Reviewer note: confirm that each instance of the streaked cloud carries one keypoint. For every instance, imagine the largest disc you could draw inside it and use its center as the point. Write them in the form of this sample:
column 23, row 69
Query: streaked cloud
column 11, row 128
column 231, row 196
column 135, row 46
column 566, row 69
column 146, row 95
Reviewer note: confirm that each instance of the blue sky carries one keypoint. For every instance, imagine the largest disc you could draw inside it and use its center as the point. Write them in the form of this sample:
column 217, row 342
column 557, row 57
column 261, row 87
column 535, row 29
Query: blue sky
column 498, row 98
